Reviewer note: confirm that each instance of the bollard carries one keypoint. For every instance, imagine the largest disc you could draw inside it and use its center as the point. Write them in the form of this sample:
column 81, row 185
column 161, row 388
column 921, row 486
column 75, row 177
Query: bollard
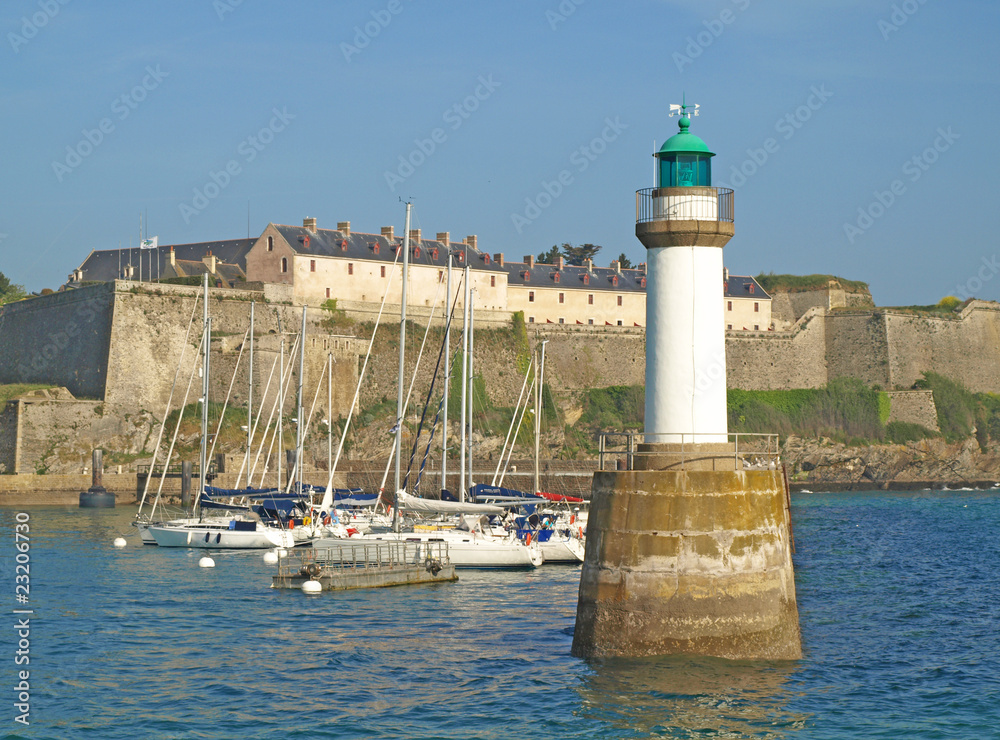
column 97, row 496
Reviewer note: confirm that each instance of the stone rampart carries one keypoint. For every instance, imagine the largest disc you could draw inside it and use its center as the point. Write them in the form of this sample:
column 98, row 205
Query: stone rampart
column 857, row 347
column 779, row 360
column 913, row 407
column 62, row 339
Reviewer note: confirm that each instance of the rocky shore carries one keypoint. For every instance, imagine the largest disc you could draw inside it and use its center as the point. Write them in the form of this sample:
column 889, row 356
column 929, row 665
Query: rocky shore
column 825, row 465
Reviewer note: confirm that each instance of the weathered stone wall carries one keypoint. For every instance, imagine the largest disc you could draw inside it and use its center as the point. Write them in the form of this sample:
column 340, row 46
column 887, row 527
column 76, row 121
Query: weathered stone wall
column 780, row 360
column 62, row 339
column 856, row 347
column 8, row 437
column 579, row 358
column 965, row 348
column 913, row 407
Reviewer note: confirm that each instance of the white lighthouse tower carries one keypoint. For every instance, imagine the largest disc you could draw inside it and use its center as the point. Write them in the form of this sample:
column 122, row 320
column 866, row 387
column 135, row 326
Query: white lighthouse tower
column 684, row 223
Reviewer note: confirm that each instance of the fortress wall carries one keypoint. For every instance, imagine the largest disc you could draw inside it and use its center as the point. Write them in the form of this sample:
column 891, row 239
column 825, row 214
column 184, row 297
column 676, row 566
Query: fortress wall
column 579, row 358
column 779, row 360
column 62, row 339
column 8, row 437
column 857, row 347
column 913, row 407
column 965, row 348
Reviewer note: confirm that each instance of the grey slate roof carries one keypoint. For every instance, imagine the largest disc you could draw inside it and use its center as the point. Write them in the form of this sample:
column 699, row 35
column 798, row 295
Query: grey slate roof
column 103, row 265
column 543, row 275
column 738, row 286
column 331, row 243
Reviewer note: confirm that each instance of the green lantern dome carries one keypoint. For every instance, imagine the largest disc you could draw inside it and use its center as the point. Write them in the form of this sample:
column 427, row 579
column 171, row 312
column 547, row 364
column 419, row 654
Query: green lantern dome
column 684, row 159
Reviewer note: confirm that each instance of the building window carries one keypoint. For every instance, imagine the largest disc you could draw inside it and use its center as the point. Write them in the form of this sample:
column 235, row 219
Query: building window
column 619, row 322
column 416, row 252
column 440, row 276
column 531, row 296
column 562, row 321
column 590, row 299
column 751, row 288
column 586, row 278
column 729, row 305
column 531, row 319
column 270, row 244
column 350, row 268
column 729, row 326
column 590, row 321
column 556, row 277
column 312, row 265
column 327, row 292
column 562, row 297
column 382, row 268
column 756, row 327
column 619, row 300
column 493, row 281
column 756, row 307
column 284, row 264
column 614, row 280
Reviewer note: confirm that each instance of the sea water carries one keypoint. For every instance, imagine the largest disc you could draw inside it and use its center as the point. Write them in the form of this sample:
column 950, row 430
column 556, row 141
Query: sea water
column 898, row 599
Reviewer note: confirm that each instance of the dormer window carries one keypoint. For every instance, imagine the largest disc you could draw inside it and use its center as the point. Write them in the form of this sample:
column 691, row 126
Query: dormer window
column 305, row 241
column 374, row 246
column 486, row 258
column 614, row 280
column 586, row 278
column 750, row 288
column 555, row 277
column 343, row 245
column 527, row 275
column 460, row 256
column 434, row 253
column 416, row 253
column 642, row 282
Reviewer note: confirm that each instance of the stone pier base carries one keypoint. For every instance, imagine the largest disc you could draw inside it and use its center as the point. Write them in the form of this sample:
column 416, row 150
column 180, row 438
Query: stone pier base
column 690, row 561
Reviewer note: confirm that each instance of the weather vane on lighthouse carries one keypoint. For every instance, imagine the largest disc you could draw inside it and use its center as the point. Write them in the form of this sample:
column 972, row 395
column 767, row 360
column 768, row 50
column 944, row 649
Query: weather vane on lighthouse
column 682, row 109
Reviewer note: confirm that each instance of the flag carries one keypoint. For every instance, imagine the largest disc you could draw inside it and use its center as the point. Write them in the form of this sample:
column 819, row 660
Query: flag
column 151, row 243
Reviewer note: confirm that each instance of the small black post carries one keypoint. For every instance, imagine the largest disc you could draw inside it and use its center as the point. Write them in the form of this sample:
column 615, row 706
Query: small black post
column 97, row 496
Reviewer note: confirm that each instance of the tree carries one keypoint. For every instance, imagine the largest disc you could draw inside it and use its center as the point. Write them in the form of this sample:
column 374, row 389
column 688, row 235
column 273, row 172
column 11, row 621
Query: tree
column 624, row 261
column 578, row 255
column 10, row 291
column 549, row 257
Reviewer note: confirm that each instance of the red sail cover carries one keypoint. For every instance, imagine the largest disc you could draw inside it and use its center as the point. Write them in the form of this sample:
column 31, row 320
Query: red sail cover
column 560, row 497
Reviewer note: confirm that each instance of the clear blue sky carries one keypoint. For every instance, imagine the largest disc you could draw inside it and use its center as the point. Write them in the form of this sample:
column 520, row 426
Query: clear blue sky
column 184, row 88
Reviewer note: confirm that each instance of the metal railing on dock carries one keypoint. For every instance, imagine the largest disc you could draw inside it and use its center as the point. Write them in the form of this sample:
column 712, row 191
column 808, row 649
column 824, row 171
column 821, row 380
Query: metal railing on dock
column 366, row 555
column 620, row 450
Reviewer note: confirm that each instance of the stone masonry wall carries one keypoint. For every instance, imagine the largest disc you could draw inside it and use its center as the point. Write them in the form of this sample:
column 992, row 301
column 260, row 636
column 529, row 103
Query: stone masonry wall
column 913, row 407
column 856, row 347
column 62, row 339
column 8, row 437
column 779, row 360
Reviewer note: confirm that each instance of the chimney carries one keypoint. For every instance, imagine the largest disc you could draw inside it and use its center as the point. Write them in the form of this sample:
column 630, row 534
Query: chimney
column 387, row 232
column 560, row 262
column 309, row 223
column 589, row 264
column 444, row 237
column 209, row 260
column 471, row 241
column 344, row 227
column 725, row 274
column 616, row 266
column 415, row 236
column 529, row 260
column 172, row 262
column 642, row 267
column 498, row 258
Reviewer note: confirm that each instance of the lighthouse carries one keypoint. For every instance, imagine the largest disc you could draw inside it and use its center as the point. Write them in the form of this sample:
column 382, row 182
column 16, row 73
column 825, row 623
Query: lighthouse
column 689, row 536
column 684, row 223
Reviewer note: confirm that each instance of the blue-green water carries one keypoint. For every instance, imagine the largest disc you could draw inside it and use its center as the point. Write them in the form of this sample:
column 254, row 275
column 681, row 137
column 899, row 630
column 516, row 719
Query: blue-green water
column 898, row 597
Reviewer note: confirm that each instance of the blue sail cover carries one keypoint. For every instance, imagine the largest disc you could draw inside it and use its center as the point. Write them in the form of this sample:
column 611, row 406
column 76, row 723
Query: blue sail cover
column 237, row 492
column 207, row 503
column 345, row 496
column 482, row 492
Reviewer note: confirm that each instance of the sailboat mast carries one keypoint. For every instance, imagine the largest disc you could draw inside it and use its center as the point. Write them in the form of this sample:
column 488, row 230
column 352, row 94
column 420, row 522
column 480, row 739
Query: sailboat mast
column 465, row 379
column 402, row 360
column 203, row 453
column 538, row 413
column 299, row 421
column 250, row 398
column 447, row 377
column 329, row 411
column 472, row 300
column 281, row 397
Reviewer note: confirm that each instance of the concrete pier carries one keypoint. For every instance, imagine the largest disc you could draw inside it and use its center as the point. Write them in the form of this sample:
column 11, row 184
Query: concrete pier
column 685, row 561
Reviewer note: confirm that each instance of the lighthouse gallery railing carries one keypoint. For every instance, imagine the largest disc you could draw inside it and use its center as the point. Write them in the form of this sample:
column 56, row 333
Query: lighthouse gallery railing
column 649, row 204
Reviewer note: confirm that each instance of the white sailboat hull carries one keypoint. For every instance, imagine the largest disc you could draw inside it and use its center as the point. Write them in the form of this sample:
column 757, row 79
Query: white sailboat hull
column 212, row 536
column 566, row 550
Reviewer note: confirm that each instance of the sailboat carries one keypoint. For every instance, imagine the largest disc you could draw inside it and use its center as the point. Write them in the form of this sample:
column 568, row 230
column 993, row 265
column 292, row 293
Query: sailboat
column 469, row 546
column 237, row 529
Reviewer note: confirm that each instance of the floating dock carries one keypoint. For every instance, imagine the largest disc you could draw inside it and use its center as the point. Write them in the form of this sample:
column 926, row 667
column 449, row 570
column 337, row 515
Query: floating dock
column 367, row 565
